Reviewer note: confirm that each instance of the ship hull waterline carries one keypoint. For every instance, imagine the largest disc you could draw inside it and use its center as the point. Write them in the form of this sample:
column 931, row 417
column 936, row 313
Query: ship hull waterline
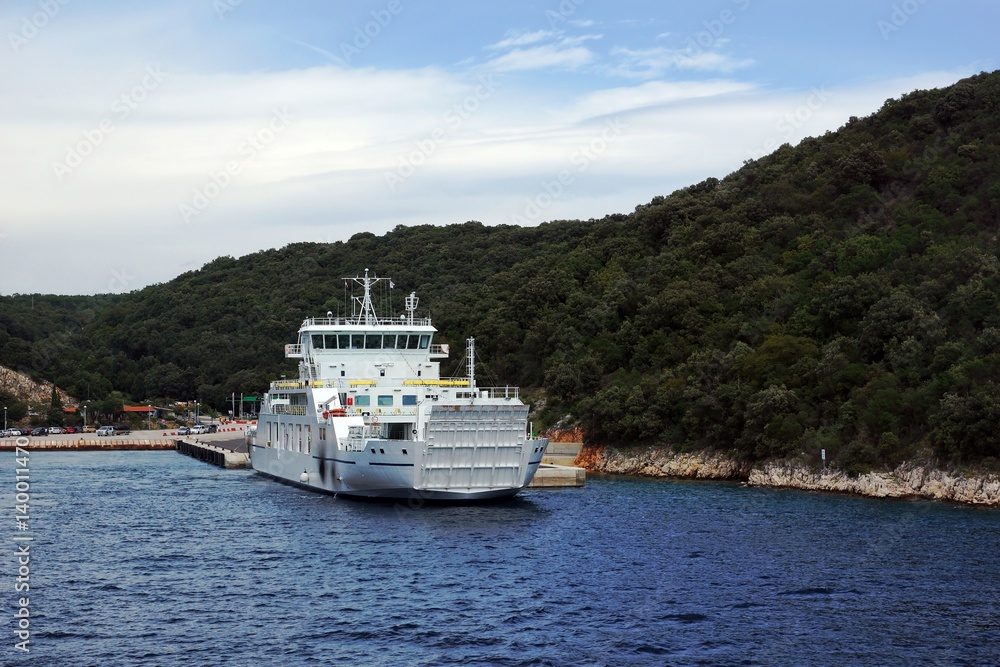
column 384, row 483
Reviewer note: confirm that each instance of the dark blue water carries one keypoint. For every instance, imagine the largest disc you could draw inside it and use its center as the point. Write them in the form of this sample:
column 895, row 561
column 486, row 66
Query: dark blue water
column 154, row 558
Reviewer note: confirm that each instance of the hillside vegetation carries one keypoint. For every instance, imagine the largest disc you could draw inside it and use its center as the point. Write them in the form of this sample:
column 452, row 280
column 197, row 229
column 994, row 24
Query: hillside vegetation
column 843, row 294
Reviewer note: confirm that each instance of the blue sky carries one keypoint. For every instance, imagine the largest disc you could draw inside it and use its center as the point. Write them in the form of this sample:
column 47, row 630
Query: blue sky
column 142, row 140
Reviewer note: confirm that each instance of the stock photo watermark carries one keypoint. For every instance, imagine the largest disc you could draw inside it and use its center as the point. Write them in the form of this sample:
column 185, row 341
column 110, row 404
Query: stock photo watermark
column 22, row 545
column 563, row 12
column 363, row 35
column 224, row 7
column 582, row 158
column 35, row 23
column 218, row 181
column 900, row 16
column 120, row 280
column 453, row 118
column 793, row 121
column 122, row 107
column 699, row 42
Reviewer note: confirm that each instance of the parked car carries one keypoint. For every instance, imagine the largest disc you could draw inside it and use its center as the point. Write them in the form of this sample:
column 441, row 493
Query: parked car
column 54, row 430
column 71, row 429
column 122, row 429
column 41, row 430
column 106, row 430
column 16, row 432
column 199, row 428
column 183, row 430
column 212, row 428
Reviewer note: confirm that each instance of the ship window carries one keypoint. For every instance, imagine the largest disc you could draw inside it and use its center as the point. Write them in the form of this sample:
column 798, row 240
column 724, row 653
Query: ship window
column 385, row 400
column 401, row 342
column 343, row 373
column 373, row 342
column 381, row 372
column 345, row 341
column 373, row 450
column 381, row 451
column 357, row 341
column 317, row 341
column 404, row 452
column 425, row 342
column 362, row 400
column 389, row 341
column 409, row 399
column 414, row 341
column 331, row 341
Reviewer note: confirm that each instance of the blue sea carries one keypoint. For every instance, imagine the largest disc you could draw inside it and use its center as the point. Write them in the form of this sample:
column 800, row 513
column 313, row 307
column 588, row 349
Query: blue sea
column 153, row 558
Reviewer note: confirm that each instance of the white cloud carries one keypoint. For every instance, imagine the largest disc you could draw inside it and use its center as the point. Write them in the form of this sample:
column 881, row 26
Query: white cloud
column 542, row 57
column 580, row 39
column 517, row 38
column 653, row 63
column 653, row 93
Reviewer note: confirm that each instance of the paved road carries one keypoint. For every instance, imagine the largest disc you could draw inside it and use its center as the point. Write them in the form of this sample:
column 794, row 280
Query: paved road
column 156, row 434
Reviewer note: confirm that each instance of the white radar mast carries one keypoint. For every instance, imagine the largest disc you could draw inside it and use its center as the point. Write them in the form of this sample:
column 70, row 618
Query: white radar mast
column 411, row 306
column 367, row 316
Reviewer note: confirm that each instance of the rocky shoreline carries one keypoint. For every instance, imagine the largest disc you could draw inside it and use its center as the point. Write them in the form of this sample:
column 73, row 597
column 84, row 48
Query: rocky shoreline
column 906, row 481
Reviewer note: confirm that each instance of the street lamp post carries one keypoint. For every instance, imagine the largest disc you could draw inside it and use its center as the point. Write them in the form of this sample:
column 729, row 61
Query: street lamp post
column 5, row 417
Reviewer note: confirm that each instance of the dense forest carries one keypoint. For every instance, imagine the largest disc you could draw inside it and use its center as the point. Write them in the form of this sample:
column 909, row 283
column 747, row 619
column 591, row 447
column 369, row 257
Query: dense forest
column 842, row 294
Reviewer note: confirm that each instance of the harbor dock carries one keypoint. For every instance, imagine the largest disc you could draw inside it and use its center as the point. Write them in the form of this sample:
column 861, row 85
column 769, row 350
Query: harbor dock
column 557, row 469
column 228, row 453
column 89, row 444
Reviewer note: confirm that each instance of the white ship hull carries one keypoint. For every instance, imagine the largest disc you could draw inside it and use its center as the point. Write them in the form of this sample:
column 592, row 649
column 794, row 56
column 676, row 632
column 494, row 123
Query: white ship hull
column 473, row 453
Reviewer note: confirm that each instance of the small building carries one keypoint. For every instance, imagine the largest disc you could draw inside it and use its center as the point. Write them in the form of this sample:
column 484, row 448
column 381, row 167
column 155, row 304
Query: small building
column 144, row 410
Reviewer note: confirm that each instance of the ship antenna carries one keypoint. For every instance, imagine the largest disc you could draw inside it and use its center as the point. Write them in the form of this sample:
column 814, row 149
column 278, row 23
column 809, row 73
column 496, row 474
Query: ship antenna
column 472, row 362
column 367, row 314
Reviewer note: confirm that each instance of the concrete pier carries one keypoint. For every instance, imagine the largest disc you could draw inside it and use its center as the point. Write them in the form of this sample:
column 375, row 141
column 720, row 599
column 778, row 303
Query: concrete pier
column 554, row 477
column 217, row 453
column 88, row 445
column 557, row 469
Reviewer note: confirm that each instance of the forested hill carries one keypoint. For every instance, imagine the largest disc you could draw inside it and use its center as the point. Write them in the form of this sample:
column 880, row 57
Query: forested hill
column 842, row 294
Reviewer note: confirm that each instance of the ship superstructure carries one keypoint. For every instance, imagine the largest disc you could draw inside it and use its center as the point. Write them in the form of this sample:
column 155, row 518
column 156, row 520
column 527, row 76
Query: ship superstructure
column 370, row 415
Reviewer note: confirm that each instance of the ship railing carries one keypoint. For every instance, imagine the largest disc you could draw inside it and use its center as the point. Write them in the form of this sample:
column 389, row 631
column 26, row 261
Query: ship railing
column 498, row 392
column 348, row 383
column 360, row 321
column 282, row 409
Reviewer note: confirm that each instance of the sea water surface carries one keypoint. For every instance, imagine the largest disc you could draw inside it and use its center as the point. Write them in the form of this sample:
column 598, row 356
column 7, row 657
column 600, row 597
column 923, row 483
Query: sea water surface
column 152, row 558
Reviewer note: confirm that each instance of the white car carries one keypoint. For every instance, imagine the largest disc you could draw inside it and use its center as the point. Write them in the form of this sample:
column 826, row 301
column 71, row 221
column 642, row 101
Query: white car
column 199, row 428
column 106, row 430
column 55, row 430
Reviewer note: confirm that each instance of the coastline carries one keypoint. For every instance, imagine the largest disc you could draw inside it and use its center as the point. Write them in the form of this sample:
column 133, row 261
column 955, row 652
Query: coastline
column 906, row 481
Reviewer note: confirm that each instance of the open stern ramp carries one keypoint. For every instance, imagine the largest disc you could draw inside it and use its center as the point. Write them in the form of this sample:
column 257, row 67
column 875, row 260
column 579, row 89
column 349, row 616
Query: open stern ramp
column 475, row 447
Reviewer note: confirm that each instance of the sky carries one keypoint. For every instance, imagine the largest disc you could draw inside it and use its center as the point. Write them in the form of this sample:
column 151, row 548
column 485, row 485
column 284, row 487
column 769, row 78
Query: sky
column 142, row 140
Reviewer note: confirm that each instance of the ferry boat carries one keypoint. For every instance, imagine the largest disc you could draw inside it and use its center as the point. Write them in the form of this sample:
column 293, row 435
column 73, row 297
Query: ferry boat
column 370, row 416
